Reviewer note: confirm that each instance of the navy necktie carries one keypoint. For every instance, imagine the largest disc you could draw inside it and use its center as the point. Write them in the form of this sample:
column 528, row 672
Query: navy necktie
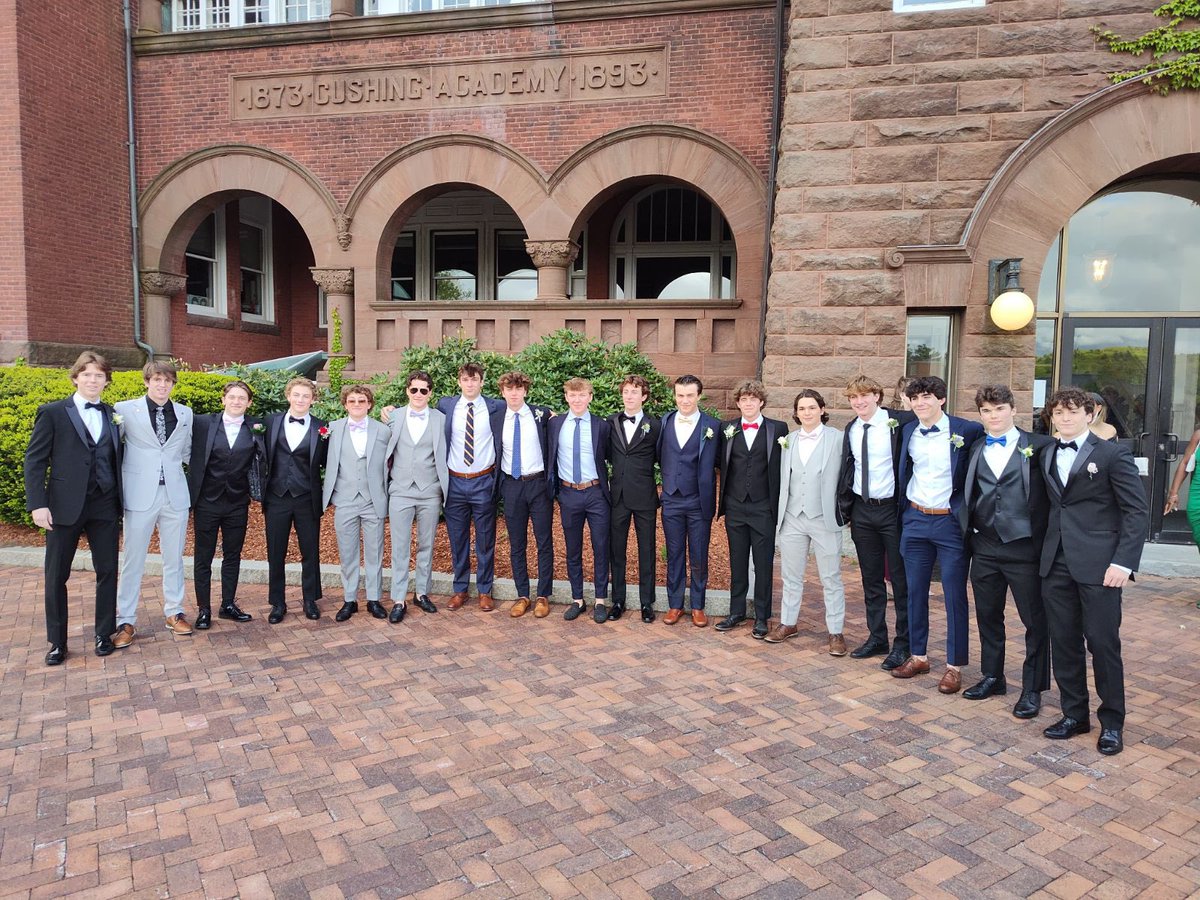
column 516, row 450
column 1002, row 440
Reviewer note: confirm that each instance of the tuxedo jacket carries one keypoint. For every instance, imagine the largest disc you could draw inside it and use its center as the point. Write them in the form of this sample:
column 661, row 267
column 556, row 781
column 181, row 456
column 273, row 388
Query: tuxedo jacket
column 1101, row 517
column 377, row 457
column 541, row 420
column 969, row 431
column 209, row 428
column 846, row 488
column 58, row 461
column 826, row 464
column 599, row 451
column 446, row 407
column 318, row 448
column 1033, row 482
column 698, row 456
column 632, row 484
column 441, row 443
column 145, row 457
column 770, row 430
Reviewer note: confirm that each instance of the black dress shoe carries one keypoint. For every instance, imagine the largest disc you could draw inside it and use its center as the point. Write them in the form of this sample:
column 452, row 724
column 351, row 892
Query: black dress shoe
column 397, row 614
column 618, row 609
column 573, row 610
column 1066, row 727
column 277, row 614
column 729, row 623
column 104, row 645
column 57, row 654
column 204, row 618
column 375, row 608
column 894, row 660
column 987, row 686
column 1029, row 705
column 760, row 629
column 311, row 611
column 233, row 613
column 347, row 610
column 647, row 614
column 1109, row 743
column 600, row 613
column 870, row 648
column 424, row 604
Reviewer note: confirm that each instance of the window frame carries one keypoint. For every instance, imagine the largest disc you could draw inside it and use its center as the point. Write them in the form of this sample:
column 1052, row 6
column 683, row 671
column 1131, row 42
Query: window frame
column 207, row 14
column 248, row 214
column 953, row 318
column 217, row 268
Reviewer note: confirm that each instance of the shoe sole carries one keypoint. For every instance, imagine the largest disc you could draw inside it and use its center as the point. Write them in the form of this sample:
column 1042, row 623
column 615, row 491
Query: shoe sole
column 770, row 639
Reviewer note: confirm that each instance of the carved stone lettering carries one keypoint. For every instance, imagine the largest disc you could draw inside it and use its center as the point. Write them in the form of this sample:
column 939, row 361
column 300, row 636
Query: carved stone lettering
column 556, row 78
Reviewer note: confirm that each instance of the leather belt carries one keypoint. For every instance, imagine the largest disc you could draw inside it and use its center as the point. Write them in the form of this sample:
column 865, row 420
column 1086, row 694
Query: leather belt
column 929, row 511
column 488, row 471
column 876, row 501
column 581, row 487
column 532, row 476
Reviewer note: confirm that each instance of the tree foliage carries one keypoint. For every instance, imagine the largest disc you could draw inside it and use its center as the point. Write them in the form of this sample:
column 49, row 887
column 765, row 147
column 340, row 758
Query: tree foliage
column 1174, row 49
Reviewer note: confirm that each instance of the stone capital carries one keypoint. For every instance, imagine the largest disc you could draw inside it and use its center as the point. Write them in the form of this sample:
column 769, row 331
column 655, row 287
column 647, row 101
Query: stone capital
column 334, row 281
column 162, row 284
column 552, row 253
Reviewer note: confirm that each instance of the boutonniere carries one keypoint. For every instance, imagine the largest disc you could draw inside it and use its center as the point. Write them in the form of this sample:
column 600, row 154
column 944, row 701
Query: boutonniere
column 1092, row 469
column 708, row 433
column 1027, row 452
column 118, row 420
column 957, row 441
column 323, row 433
column 893, row 424
column 645, row 428
column 730, row 431
column 537, row 414
column 258, row 428
column 783, row 442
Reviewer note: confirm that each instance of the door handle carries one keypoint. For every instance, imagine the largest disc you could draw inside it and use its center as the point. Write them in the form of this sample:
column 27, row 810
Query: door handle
column 1171, row 454
column 1141, row 443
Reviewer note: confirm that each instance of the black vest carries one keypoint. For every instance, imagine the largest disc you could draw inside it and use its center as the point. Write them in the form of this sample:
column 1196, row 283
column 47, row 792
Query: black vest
column 1000, row 510
column 290, row 468
column 228, row 468
column 747, row 469
column 103, row 477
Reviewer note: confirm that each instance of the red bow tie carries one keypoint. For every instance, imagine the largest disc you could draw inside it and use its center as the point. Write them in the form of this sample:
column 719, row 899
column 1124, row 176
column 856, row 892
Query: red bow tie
column 746, row 426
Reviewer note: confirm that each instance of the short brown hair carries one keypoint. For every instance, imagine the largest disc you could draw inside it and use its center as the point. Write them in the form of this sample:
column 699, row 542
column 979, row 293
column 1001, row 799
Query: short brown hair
column 91, row 358
column 926, row 384
column 474, row 369
column 578, row 384
column 159, row 367
column 357, row 389
column 688, row 381
column 230, row 385
column 810, row 394
column 749, row 388
column 300, row 382
column 865, row 384
column 419, row 375
column 1071, row 398
column 638, row 382
column 994, row 395
column 516, row 380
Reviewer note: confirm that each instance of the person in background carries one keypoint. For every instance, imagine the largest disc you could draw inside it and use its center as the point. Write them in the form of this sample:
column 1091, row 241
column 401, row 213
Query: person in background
column 899, row 398
column 1100, row 426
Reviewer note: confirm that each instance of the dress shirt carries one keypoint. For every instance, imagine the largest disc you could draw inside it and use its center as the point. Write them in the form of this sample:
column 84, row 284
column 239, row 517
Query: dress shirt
column 93, row 421
column 630, row 428
column 232, row 428
column 531, row 447
column 931, row 484
column 566, row 445
column 749, row 434
column 169, row 417
column 998, row 455
column 684, row 426
column 358, row 436
column 485, row 450
column 882, row 478
column 293, row 432
column 417, row 422
column 807, row 441
column 1064, row 459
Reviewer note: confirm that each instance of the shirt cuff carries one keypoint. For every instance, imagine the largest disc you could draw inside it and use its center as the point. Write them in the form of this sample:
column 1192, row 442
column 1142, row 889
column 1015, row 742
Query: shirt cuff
column 1122, row 568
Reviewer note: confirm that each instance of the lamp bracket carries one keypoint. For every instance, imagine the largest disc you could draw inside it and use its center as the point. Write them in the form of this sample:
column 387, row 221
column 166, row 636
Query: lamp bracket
column 1003, row 275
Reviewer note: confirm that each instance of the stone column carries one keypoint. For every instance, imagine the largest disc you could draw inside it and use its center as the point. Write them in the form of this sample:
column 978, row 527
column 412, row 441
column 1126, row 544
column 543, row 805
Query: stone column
column 157, row 290
column 150, row 17
column 338, row 285
column 553, row 260
column 341, row 9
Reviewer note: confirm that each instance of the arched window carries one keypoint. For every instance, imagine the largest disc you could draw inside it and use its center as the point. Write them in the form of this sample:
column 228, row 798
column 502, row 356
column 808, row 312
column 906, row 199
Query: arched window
column 671, row 243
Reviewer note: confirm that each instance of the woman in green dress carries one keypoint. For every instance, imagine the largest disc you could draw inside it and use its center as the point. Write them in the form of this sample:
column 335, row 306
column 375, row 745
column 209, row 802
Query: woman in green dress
column 1193, row 501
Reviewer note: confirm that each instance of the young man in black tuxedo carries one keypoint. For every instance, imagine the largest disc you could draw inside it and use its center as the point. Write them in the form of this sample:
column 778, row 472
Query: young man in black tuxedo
column 73, row 487
column 297, row 444
column 1003, row 519
column 228, row 452
column 1097, row 525
column 633, row 451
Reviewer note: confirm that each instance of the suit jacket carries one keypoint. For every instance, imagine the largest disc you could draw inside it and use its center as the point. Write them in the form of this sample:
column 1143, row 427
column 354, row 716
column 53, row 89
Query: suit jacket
column 701, row 457
column 206, row 430
column 541, row 419
column 771, row 430
column 58, row 460
column 378, row 436
column 846, row 488
column 1101, row 517
column 969, row 431
column 826, row 461
column 145, row 457
column 318, row 449
column 599, row 451
column 632, row 482
column 1033, row 482
column 441, row 443
column 446, row 407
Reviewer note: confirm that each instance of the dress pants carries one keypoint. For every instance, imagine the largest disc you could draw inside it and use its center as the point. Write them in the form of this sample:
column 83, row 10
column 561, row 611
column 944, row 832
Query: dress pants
column 528, row 501
column 229, row 516
column 875, row 530
column 686, row 532
column 472, row 499
column 99, row 520
column 281, row 514
column 575, row 508
column 350, row 520
column 997, row 567
column 172, row 535
column 643, row 526
column 798, row 534
column 925, row 539
column 1085, row 612
column 403, row 512
column 750, row 529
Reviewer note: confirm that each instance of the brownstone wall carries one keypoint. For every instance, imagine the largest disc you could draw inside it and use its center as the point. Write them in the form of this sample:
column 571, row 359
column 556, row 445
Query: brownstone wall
column 893, row 127
column 13, row 326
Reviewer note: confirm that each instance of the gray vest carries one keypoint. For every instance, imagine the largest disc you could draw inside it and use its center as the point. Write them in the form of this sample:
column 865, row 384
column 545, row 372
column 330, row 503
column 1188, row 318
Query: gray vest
column 352, row 475
column 804, row 494
column 414, row 469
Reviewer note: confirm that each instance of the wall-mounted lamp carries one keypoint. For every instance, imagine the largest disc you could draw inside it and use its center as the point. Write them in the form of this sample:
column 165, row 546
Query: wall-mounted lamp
column 1012, row 308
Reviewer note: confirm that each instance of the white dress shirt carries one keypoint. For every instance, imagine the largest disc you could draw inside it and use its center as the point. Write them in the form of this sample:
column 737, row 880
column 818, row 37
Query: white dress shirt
column 931, row 484
column 232, row 428
column 416, row 422
column 807, row 441
column 998, row 455
column 684, row 426
column 93, row 421
column 358, row 436
column 751, row 433
column 531, row 447
column 294, row 432
column 485, row 451
column 1064, row 459
column 630, row 428
column 882, row 479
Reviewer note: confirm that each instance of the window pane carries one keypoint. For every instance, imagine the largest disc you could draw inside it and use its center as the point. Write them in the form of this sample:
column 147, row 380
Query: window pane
column 250, row 242
column 404, row 267
column 203, row 242
column 1043, row 369
column 928, row 350
column 516, row 275
column 673, row 277
column 201, row 274
column 252, row 292
column 455, row 265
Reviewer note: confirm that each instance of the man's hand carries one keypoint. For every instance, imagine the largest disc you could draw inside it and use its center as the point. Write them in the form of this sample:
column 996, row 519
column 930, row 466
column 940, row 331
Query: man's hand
column 385, row 414
column 1115, row 577
column 42, row 518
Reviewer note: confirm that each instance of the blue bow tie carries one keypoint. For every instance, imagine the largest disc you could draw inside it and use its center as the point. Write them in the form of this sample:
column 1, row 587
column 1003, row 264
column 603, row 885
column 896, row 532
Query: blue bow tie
column 925, row 432
column 1002, row 440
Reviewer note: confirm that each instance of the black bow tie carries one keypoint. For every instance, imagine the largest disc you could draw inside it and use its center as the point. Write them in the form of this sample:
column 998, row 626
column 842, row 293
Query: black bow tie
column 294, row 419
column 627, row 418
column 1068, row 445
column 93, row 406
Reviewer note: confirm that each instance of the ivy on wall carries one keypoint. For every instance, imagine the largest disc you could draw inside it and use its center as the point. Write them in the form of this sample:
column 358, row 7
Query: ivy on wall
column 1174, row 49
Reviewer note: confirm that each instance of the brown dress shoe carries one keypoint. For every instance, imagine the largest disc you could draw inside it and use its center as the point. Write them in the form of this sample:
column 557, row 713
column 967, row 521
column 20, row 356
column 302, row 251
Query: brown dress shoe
column 485, row 602
column 124, row 636
column 457, row 601
column 699, row 619
column 673, row 616
column 910, row 667
column 781, row 633
column 951, row 682
column 519, row 608
column 837, row 645
column 541, row 609
column 177, row 624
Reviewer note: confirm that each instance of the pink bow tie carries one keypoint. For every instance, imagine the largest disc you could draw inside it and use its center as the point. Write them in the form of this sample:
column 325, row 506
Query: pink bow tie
column 808, row 435
column 229, row 421
column 359, row 426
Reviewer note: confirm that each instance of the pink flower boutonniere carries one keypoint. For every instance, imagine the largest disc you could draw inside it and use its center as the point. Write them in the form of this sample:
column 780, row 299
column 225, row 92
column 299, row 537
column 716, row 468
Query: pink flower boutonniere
column 258, row 428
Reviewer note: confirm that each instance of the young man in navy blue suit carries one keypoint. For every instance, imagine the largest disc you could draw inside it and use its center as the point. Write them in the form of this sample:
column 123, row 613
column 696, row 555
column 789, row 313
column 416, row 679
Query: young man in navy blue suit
column 578, row 456
column 934, row 451
column 687, row 456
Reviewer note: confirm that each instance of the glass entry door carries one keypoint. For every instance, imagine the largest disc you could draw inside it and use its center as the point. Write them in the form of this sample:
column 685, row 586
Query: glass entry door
column 1148, row 372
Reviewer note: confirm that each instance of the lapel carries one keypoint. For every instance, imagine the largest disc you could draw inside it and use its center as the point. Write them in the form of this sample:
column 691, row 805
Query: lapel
column 954, row 426
column 311, row 437
column 825, row 450
column 339, row 433
column 972, row 469
column 728, row 448
column 77, row 420
column 216, row 425
column 598, row 454
column 769, row 427
column 1050, row 470
column 114, row 433
column 1081, row 456
column 1022, row 442
column 900, row 453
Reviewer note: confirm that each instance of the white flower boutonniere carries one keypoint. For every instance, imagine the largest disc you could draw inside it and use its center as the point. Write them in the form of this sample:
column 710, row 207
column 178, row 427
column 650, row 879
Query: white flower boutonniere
column 956, row 440
column 1092, row 469
column 1027, row 452
column 783, row 442
column 537, row 414
column 645, row 428
column 893, row 424
column 708, row 433
column 730, row 431
column 118, row 420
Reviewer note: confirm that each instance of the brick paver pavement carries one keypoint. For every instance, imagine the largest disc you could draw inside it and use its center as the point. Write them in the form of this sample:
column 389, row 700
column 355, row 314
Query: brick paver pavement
column 467, row 753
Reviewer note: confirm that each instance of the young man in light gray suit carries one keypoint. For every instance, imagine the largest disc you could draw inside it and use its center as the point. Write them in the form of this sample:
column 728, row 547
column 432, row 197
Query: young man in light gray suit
column 419, row 483
column 809, row 472
column 356, row 483
column 158, row 444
